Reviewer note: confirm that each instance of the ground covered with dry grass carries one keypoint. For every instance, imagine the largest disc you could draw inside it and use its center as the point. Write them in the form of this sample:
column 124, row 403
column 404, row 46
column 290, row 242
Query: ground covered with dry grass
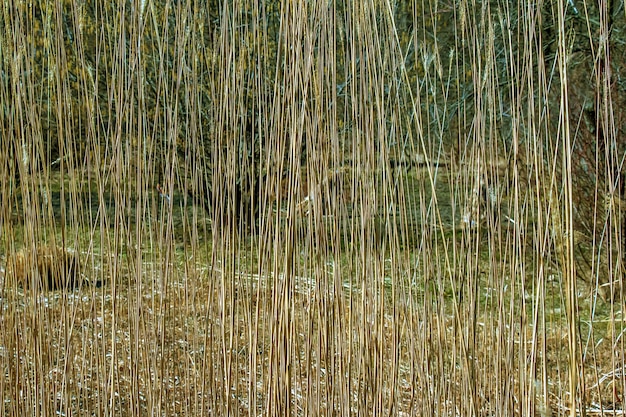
column 221, row 327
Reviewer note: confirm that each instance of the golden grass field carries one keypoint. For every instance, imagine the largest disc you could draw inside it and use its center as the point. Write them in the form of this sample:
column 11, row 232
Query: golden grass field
column 311, row 209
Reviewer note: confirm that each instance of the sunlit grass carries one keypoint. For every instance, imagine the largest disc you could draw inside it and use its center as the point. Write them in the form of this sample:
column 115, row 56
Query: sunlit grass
column 292, row 208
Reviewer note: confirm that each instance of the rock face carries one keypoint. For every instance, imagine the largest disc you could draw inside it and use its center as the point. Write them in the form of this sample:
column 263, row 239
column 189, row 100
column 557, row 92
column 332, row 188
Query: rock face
column 47, row 268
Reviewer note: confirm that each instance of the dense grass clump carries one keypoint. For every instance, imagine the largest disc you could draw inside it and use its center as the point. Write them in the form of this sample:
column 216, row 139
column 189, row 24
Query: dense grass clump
column 45, row 267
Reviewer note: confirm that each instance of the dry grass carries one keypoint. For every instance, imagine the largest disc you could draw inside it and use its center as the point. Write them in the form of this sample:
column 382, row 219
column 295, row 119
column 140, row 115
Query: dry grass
column 308, row 208
column 46, row 268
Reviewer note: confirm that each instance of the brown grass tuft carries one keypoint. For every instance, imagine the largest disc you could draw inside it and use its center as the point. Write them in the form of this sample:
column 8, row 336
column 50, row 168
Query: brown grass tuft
column 46, row 267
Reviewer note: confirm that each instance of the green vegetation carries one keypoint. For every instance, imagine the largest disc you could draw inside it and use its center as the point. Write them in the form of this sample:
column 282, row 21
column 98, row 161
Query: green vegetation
column 309, row 208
